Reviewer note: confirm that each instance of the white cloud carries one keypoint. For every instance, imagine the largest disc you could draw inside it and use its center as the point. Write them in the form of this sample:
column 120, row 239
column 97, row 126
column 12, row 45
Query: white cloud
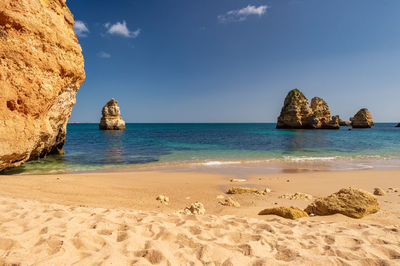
column 121, row 29
column 80, row 28
column 103, row 54
column 242, row 14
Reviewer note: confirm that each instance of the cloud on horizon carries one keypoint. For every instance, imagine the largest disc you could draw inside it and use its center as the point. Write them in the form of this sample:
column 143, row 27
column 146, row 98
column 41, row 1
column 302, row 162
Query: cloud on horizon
column 80, row 28
column 121, row 29
column 240, row 15
column 103, row 54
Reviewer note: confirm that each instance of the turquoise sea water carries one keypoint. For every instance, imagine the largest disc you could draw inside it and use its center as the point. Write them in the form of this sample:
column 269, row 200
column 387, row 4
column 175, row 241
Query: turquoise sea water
column 210, row 145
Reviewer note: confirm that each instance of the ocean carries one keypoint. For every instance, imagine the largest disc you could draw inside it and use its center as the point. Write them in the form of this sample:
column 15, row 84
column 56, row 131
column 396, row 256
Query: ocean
column 144, row 146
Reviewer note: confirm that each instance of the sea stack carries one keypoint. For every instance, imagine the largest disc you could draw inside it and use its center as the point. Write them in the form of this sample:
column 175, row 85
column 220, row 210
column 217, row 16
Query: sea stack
column 363, row 119
column 296, row 113
column 111, row 119
column 342, row 123
column 41, row 70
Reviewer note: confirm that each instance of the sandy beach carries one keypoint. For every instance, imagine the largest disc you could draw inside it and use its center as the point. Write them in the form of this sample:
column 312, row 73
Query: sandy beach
column 115, row 219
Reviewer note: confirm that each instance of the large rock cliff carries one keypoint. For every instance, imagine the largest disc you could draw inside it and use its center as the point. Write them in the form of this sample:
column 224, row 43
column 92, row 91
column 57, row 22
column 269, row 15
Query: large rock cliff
column 111, row 117
column 297, row 113
column 363, row 119
column 41, row 69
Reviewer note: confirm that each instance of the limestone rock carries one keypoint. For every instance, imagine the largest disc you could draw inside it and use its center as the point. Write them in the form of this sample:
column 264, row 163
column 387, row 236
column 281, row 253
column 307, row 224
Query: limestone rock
column 379, row 192
column 296, row 196
column 241, row 190
column 41, row 69
column 342, row 123
column 363, row 119
column 111, row 119
column 230, row 202
column 163, row 199
column 196, row 208
column 237, row 180
column 351, row 202
column 296, row 113
column 285, row 212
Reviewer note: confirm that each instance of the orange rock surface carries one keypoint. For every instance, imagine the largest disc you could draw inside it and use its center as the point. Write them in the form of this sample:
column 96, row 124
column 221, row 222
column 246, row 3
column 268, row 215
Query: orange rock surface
column 41, row 69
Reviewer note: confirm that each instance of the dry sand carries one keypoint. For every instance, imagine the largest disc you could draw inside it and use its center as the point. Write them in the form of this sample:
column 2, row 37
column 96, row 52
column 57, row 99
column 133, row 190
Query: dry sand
column 115, row 219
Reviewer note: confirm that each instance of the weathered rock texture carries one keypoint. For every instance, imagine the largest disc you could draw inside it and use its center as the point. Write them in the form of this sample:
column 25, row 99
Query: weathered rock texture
column 363, row 119
column 111, row 119
column 342, row 123
column 285, row 212
column 351, row 202
column 241, row 190
column 41, row 69
column 297, row 113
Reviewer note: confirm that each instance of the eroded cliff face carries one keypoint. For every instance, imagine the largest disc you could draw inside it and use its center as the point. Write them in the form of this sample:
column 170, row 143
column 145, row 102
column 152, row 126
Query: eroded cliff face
column 297, row 113
column 111, row 117
column 41, row 69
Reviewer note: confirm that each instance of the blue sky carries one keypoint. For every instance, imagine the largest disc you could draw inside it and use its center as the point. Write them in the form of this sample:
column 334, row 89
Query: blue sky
column 235, row 60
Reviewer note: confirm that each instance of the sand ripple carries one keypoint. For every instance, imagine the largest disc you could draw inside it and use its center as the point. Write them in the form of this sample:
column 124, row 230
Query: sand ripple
column 48, row 234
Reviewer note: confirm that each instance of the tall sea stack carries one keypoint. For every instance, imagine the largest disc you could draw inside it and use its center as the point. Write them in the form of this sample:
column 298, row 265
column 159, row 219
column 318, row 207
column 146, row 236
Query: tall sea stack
column 111, row 117
column 296, row 113
column 41, row 69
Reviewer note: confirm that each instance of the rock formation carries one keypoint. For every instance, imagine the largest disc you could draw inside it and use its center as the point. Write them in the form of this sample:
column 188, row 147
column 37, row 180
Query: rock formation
column 398, row 125
column 41, row 69
column 296, row 113
column 111, row 119
column 354, row 203
column 342, row 123
column 285, row 212
column 363, row 119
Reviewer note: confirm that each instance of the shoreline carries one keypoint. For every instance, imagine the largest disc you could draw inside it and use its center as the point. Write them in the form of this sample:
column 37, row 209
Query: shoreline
column 266, row 165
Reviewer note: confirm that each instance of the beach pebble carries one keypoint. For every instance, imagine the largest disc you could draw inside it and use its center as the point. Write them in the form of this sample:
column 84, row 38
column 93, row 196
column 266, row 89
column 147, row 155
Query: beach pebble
column 379, row 192
column 163, row 199
column 241, row 190
column 296, row 196
column 264, row 192
column 230, row 203
column 194, row 209
column 392, row 190
column 238, row 180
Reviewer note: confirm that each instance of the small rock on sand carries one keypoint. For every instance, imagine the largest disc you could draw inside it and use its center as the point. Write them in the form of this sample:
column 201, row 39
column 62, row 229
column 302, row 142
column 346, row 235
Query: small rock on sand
column 379, row 192
column 194, row 209
column 295, row 196
column 230, row 202
column 238, row 180
column 163, row 199
column 220, row 197
column 285, row 212
column 241, row 190
column 264, row 192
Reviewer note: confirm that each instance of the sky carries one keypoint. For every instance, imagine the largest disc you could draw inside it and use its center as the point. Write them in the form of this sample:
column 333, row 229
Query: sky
column 235, row 60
